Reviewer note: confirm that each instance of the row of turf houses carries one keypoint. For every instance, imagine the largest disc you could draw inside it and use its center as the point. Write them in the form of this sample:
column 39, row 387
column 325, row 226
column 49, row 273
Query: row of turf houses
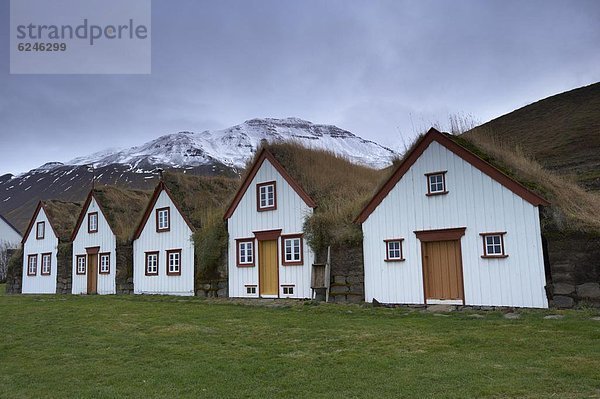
column 443, row 227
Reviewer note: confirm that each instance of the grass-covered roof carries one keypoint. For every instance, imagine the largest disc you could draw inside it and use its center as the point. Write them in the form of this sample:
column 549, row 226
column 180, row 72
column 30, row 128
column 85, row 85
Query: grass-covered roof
column 62, row 215
column 123, row 208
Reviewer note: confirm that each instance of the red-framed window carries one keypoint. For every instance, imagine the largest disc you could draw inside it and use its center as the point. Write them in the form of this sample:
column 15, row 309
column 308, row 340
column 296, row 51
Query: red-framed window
column 80, row 264
column 266, row 196
column 46, row 269
column 493, row 245
column 393, row 250
column 245, row 253
column 174, row 262
column 292, row 249
column 32, row 265
column 151, row 263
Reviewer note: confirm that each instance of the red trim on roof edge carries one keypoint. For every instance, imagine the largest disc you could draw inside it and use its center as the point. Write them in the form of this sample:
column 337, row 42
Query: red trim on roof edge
column 266, row 154
column 457, row 149
column 159, row 188
column 84, row 212
column 34, row 218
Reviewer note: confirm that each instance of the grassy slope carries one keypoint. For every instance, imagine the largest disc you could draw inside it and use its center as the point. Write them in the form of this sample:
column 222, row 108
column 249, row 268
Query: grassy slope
column 561, row 132
column 66, row 346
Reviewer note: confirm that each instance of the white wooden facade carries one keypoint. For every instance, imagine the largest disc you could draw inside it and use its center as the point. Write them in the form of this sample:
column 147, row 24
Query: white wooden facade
column 9, row 235
column 246, row 222
column 35, row 280
column 474, row 201
column 97, row 237
column 149, row 241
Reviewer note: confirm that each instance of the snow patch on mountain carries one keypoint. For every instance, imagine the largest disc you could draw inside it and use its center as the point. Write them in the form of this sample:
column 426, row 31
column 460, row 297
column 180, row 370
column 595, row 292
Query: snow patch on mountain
column 234, row 146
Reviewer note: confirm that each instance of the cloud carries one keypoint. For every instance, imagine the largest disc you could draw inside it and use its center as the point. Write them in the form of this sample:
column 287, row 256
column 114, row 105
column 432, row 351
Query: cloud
column 384, row 70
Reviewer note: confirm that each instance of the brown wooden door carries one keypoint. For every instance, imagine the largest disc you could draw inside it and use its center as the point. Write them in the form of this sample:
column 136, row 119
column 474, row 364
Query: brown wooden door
column 268, row 274
column 442, row 270
column 92, row 274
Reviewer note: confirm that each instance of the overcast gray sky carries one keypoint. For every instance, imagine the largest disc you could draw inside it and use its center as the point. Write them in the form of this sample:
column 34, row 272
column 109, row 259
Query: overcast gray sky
column 381, row 69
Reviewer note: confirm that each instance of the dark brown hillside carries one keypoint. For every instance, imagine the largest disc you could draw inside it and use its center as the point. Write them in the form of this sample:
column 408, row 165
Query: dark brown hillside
column 561, row 132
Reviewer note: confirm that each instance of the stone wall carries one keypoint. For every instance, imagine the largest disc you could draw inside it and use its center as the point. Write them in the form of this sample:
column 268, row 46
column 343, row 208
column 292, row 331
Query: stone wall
column 14, row 271
column 574, row 269
column 347, row 274
column 64, row 278
column 212, row 288
column 124, row 271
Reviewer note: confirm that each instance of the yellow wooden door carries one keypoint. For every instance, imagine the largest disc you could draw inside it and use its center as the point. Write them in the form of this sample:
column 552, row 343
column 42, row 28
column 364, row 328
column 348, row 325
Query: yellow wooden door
column 92, row 274
column 267, row 268
column 442, row 270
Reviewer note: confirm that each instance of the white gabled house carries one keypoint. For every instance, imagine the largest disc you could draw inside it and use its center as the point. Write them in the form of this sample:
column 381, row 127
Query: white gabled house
column 94, row 251
column 10, row 237
column 49, row 226
column 163, row 248
column 448, row 227
column 268, row 256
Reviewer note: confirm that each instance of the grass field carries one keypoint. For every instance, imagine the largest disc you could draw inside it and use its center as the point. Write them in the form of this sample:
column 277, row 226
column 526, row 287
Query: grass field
column 132, row 346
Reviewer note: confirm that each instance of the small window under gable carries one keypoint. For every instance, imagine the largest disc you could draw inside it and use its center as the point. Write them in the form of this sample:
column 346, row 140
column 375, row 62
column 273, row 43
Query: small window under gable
column 93, row 222
column 436, row 183
column 163, row 219
column 46, row 264
column 493, row 245
column 266, row 196
column 393, row 250
column 40, row 230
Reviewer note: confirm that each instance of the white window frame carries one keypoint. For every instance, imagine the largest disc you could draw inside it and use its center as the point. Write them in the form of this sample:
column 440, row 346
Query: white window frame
column 163, row 219
column 174, row 262
column 32, row 266
column 81, row 264
column 436, row 183
column 287, row 289
column 394, row 254
column 39, row 236
column 495, row 242
column 48, row 264
column 245, row 254
column 292, row 250
column 250, row 290
column 267, row 196
column 148, row 264
column 102, row 264
column 93, row 222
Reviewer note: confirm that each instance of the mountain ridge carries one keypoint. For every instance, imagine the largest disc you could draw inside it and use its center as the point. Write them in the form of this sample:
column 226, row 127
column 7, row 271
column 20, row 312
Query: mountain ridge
column 210, row 152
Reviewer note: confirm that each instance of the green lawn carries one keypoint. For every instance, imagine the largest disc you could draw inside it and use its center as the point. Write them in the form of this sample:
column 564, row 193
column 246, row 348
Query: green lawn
column 131, row 346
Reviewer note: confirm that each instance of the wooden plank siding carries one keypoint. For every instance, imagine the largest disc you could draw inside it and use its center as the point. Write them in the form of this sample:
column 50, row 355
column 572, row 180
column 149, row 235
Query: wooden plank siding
column 107, row 243
column 40, row 284
column 475, row 201
column 289, row 217
column 179, row 236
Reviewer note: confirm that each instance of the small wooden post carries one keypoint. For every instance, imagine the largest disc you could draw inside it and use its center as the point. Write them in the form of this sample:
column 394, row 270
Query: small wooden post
column 328, row 274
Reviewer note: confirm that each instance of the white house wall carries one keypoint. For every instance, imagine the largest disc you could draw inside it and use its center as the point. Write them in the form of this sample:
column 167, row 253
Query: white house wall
column 289, row 217
column 106, row 240
column 474, row 201
column 8, row 236
column 179, row 237
column 40, row 284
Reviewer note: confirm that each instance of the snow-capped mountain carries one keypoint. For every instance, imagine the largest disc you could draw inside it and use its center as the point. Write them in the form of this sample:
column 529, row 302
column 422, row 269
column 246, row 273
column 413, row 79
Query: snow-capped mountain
column 206, row 153
column 234, row 146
